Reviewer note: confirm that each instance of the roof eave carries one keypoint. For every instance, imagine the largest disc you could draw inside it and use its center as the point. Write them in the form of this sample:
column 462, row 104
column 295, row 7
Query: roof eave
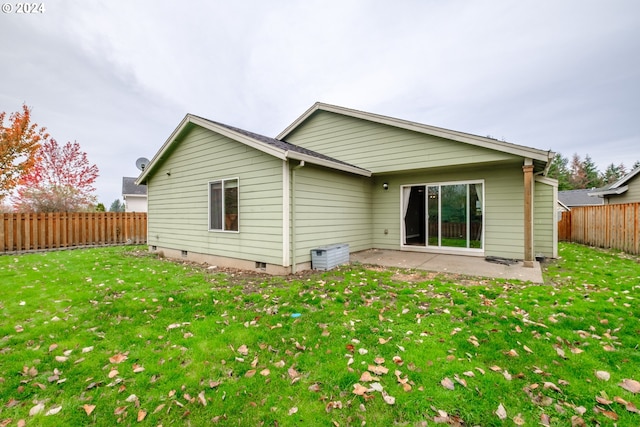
column 609, row 191
column 294, row 155
column 191, row 119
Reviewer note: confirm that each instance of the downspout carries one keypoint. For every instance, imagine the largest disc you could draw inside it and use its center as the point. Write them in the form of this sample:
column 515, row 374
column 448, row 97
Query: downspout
column 293, row 215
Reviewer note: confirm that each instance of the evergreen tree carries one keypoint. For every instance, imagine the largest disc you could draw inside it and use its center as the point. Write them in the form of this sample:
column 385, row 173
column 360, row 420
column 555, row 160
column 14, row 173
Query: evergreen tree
column 559, row 170
column 116, row 206
column 591, row 173
column 613, row 173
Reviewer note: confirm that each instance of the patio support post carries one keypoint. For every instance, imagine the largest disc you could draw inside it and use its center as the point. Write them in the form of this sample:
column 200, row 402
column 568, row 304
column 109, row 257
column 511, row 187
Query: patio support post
column 528, row 212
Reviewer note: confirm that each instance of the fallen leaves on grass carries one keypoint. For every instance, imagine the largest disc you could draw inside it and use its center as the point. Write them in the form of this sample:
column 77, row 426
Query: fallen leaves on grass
column 630, row 385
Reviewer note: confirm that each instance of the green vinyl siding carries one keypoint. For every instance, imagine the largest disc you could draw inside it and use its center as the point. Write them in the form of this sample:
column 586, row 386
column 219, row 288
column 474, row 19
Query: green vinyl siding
column 330, row 207
column 632, row 195
column 381, row 148
column 179, row 200
column 503, row 205
column 544, row 219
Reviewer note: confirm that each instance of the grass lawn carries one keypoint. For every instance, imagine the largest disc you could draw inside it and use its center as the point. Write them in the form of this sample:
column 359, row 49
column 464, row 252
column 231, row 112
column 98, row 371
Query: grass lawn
column 116, row 336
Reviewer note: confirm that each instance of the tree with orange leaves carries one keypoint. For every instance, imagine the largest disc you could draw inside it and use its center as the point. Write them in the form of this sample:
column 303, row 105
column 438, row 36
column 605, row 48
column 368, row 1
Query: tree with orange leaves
column 19, row 144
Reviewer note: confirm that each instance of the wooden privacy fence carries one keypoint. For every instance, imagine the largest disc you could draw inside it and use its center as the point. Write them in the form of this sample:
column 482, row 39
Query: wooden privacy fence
column 606, row 226
column 20, row 232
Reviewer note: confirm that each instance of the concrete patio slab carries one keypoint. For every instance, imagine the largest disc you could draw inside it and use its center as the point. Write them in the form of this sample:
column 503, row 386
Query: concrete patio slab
column 457, row 264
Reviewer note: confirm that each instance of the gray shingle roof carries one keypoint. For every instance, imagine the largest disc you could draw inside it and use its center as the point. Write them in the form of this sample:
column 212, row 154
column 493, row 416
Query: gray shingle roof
column 283, row 145
column 129, row 187
column 579, row 198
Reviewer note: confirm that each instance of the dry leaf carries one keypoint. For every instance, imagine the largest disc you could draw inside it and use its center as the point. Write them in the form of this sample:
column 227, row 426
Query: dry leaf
column 293, row 410
column 315, row 387
column 552, row 386
column 389, row 400
column 137, row 368
column 560, row 352
column 460, row 381
column 118, row 358
column 377, row 369
column 631, row 408
column 512, row 353
column 501, row 412
column 36, row 409
column 88, row 408
column 469, row 374
column 141, row 415
column 293, row 374
column 265, row 372
column 603, row 375
column 202, row 399
column 250, row 373
column 131, row 398
column 518, row 420
column 495, row 368
column 367, row 377
column 112, row 373
column 119, row 410
column 577, row 421
column 53, row 410
column 630, row 385
column 545, row 420
column 243, row 350
column 448, row 384
column 159, row 408
column 359, row 389
column 527, row 349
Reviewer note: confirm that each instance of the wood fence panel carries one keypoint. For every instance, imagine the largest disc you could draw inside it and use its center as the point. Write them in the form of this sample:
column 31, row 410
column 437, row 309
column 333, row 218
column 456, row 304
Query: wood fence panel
column 606, row 226
column 22, row 232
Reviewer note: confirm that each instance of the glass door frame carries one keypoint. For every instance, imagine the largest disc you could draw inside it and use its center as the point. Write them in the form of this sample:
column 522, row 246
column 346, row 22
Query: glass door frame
column 405, row 191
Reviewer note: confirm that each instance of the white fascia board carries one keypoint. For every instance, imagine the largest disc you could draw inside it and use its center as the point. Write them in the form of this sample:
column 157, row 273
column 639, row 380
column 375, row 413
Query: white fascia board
column 327, row 163
column 546, row 180
column 191, row 119
column 177, row 131
column 609, row 192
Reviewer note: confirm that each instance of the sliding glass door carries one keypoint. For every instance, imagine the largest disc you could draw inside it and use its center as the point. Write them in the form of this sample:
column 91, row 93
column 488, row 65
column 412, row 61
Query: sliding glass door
column 447, row 215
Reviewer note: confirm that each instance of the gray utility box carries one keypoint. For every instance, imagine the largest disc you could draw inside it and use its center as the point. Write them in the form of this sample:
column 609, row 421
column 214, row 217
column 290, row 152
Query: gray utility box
column 330, row 256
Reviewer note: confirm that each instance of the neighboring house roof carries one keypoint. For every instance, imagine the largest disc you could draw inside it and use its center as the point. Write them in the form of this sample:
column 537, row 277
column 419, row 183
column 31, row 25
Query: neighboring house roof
column 572, row 198
column 563, row 206
column 542, row 159
column 618, row 187
column 277, row 148
column 129, row 187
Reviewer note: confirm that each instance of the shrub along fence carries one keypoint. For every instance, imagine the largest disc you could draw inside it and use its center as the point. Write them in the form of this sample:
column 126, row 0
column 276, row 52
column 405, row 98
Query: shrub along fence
column 23, row 232
column 606, row 226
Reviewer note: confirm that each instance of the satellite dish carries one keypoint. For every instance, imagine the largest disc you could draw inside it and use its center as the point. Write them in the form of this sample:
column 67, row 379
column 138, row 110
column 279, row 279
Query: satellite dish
column 142, row 163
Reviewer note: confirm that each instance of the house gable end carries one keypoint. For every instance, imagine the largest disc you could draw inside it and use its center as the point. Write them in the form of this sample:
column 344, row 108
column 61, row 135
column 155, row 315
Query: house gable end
column 383, row 148
column 541, row 158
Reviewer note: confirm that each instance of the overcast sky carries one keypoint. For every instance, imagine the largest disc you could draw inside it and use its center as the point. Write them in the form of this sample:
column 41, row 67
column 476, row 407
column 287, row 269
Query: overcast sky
column 118, row 76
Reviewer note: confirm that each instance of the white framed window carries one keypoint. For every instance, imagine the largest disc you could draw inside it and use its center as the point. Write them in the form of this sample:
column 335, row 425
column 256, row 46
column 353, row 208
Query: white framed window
column 224, row 199
column 443, row 215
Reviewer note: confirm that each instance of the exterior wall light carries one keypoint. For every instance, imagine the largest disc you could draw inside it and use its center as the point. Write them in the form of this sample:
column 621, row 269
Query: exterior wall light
column 385, row 186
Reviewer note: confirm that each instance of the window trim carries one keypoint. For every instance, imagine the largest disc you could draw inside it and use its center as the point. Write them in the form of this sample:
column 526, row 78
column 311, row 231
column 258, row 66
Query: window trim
column 222, row 182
